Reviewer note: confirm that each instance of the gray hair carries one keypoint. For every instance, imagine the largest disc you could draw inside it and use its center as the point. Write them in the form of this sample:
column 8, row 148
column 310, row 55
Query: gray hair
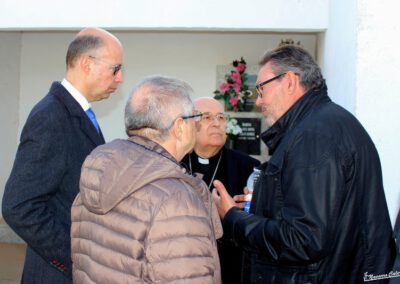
column 293, row 58
column 82, row 45
column 154, row 105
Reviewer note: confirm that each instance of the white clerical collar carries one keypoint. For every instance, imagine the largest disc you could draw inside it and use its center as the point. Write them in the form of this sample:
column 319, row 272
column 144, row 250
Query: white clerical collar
column 203, row 161
column 76, row 95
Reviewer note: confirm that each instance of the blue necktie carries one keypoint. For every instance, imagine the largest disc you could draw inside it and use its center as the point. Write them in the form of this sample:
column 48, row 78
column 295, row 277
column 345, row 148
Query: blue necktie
column 92, row 117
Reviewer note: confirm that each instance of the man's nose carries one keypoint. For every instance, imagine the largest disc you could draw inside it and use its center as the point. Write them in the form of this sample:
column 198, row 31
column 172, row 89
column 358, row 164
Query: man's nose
column 119, row 77
column 258, row 101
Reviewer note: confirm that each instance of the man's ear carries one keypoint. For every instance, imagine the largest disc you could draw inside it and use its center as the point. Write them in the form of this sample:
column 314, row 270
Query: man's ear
column 177, row 128
column 85, row 63
column 292, row 82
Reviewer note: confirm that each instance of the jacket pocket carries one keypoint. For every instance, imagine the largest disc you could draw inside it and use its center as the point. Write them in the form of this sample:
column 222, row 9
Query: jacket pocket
column 268, row 196
column 267, row 274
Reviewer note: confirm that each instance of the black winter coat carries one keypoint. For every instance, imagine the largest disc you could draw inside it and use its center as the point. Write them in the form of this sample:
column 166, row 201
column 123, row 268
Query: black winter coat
column 395, row 275
column 319, row 213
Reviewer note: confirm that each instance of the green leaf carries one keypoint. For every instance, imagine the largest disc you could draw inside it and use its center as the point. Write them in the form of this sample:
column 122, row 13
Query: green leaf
column 218, row 97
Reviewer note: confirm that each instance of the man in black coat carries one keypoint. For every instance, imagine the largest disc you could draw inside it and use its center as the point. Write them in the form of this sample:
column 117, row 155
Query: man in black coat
column 215, row 161
column 395, row 274
column 60, row 132
column 319, row 212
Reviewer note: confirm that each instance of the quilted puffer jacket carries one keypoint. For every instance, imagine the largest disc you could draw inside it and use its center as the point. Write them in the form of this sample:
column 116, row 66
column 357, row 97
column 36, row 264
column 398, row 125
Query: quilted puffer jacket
column 141, row 218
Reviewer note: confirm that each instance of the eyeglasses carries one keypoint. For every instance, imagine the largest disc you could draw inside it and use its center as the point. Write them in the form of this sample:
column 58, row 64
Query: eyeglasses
column 116, row 67
column 196, row 117
column 259, row 86
column 208, row 117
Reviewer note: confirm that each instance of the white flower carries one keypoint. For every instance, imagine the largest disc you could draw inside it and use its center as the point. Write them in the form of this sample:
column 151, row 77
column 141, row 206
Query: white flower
column 233, row 128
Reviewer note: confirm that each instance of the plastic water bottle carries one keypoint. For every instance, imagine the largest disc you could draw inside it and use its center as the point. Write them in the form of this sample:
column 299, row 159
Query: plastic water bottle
column 250, row 186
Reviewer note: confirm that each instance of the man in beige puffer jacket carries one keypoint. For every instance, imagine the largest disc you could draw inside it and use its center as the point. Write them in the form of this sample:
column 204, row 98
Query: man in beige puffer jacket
column 139, row 216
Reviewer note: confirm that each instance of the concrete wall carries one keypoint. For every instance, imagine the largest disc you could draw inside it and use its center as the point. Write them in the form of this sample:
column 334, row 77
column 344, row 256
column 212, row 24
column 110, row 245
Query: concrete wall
column 272, row 15
column 377, row 98
column 10, row 44
column 190, row 56
column 339, row 48
column 361, row 65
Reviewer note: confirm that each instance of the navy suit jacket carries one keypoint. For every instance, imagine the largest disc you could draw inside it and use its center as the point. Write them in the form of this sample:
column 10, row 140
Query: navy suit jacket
column 44, row 181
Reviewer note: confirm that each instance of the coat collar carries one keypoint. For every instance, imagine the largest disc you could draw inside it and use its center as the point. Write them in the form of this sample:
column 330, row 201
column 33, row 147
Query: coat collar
column 181, row 172
column 152, row 146
column 293, row 116
column 75, row 110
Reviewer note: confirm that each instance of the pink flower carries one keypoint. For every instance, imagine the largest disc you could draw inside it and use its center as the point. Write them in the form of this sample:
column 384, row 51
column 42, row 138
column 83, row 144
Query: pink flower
column 224, row 87
column 234, row 101
column 236, row 77
column 237, row 86
column 241, row 67
column 233, row 89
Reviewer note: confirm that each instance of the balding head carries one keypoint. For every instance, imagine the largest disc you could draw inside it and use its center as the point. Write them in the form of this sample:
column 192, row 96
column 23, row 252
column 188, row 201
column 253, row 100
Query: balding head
column 160, row 109
column 210, row 131
column 90, row 40
column 95, row 32
column 208, row 104
column 94, row 61
column 156, row 102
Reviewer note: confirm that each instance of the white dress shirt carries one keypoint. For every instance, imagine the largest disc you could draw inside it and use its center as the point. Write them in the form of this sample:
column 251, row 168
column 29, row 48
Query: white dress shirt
column 76, row 94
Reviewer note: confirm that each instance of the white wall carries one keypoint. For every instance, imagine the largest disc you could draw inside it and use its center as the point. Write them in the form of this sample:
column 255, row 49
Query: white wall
column 378, row 87
column 339, row 53
column 273, row 15
column 362, row 67
column 190, row 56
column 9, row 110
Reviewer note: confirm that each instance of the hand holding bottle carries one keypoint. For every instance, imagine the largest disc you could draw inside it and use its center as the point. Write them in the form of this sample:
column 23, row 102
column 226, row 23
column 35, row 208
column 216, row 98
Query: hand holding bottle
column 241, row 198
column 250, row 187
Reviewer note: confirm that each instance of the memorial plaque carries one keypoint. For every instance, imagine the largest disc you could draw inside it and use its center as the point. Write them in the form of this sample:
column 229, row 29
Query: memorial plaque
column 249, row 140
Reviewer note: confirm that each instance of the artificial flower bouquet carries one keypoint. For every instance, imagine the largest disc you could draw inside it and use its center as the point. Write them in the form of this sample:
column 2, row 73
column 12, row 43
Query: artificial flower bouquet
column 235, row 90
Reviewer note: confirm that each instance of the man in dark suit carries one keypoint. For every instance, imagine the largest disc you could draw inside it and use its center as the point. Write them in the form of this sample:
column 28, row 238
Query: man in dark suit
column 215, row 161
column 60, row 132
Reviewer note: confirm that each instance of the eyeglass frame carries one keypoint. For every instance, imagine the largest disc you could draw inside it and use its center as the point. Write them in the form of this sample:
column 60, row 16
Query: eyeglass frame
column 259, row 93
column 215, row 116
column 197, row 117
column 116, row 67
